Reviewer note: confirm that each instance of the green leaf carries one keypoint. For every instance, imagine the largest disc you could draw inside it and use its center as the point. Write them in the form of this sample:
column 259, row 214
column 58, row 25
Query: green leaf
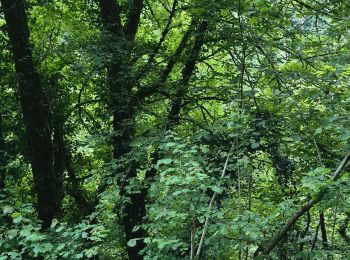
column 132, row 242
column 217, row 189
column 165, row 161
column 318, row 131
column 254, row 145
column 7, row 210
column 54, row 223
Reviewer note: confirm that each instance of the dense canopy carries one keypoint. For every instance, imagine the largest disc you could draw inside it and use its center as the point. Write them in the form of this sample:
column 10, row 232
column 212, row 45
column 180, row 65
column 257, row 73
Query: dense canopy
column 174, row 129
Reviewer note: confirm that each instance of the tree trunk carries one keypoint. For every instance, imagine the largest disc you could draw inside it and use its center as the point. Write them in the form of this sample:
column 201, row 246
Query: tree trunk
column 59, row 157
column 120, row 87
column 323, row 231
column 121, row 97
column 36, row 112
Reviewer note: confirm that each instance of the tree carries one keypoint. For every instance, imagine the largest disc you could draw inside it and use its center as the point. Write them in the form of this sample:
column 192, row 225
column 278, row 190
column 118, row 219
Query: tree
column 36, row 113
column 178, row 129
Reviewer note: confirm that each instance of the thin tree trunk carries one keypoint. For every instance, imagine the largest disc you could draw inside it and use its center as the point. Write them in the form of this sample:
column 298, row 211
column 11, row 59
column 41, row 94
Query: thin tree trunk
column 306, row 230
column 323, row 231
column 177, row 103
column 2, row 156
column 36, row 112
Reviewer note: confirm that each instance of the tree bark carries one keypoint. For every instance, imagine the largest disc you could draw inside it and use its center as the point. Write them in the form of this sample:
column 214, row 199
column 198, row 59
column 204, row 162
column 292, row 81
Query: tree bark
column 122, row 104
column 306, row 230
column 36, row 112
column 120, row 86
column 323, row 231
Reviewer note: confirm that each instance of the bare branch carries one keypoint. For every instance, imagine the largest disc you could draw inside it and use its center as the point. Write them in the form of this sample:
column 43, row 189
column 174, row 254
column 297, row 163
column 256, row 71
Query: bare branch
column 200, row 246
column 293, row 219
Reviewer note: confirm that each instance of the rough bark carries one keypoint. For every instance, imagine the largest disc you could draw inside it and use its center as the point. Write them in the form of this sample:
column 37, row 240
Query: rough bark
column 36, row 112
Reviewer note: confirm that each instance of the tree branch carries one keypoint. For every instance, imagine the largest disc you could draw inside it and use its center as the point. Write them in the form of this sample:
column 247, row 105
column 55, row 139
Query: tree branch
column 200, row 246
column 155, row 87
column 293, row 219
column 133, row 19
column 173, row 115
column 166, row 30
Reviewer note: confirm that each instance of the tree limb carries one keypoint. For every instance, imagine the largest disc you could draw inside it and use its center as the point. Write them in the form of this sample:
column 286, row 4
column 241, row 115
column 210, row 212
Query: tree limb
column 133, row 19
column 265, row 250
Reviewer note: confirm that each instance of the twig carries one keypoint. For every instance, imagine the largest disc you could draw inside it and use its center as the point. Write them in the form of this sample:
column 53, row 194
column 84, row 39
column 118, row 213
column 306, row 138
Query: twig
column 200, row 246
column 318, row 152
column 193, row 231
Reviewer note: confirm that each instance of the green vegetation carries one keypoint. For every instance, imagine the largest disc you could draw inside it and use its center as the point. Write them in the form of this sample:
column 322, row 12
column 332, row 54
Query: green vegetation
column 168, row 129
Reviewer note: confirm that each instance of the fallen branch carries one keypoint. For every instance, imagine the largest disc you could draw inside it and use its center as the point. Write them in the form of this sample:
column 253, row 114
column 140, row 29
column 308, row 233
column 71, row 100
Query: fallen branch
column 265, row 250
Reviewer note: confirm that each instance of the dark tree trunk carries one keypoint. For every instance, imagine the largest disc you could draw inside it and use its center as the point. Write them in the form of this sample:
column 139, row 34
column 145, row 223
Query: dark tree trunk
column 121, row 104
column 306, row 230
column 36, row 112
column 120, row 86
column 323, row 231
column 343, row 227
column 74, row 188
column 59, row 158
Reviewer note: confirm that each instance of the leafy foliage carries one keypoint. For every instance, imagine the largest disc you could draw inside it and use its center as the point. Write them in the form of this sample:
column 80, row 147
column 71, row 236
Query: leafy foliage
column 147, row 100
